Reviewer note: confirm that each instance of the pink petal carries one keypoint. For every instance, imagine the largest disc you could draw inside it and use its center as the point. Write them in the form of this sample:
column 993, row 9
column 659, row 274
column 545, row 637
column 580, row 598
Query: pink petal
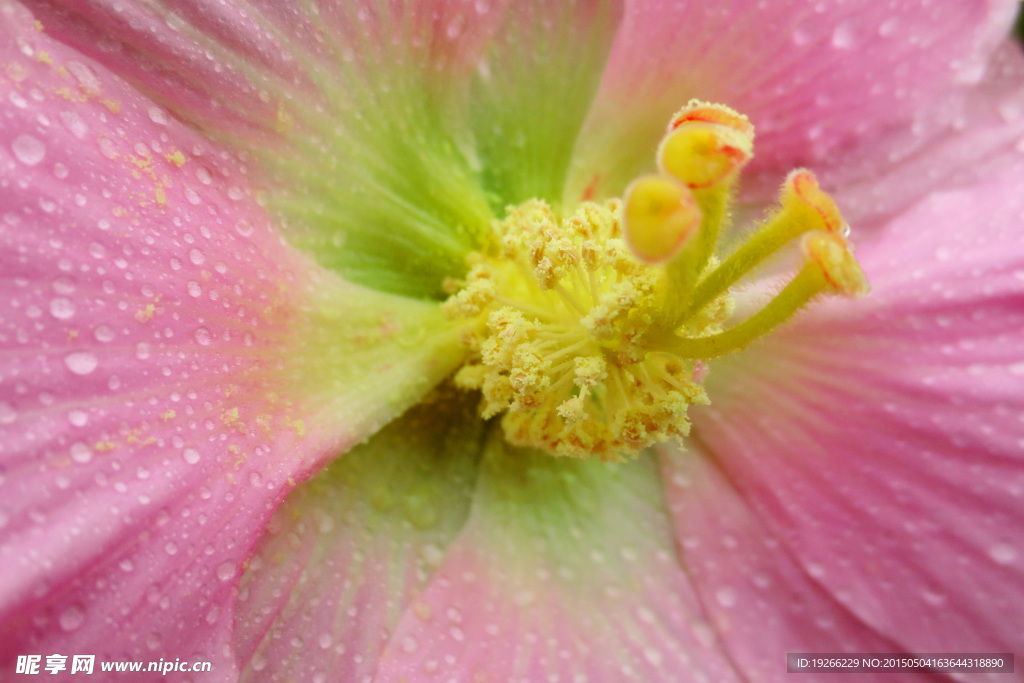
column 366, row 114
column 566, row 570
column 882, row 441
column 820, row 82
column 761, row 601
column 168, row 367
column 347, row 552
column 960, row 141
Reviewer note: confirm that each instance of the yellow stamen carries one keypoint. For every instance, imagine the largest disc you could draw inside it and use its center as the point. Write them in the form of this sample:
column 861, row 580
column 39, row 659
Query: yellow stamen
column 588, row 332
column 805, row 207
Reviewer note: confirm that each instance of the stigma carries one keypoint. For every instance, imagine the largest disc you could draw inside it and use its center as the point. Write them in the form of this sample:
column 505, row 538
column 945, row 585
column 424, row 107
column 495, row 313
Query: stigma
column 590, row 333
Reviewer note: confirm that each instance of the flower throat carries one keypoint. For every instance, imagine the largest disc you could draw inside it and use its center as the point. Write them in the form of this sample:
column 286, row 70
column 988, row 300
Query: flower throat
column 591, row 332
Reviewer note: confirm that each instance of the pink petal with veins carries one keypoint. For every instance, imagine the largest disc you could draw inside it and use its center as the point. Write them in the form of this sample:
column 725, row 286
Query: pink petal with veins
column 167, row 368
column 882, row 442
column 819, row 81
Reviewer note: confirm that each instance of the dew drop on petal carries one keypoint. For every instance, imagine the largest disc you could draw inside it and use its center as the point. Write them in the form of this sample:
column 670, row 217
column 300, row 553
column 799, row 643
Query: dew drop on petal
column 843, row 37
column 81, row 453
column 29, row 150
column 244, row 228
column 226, row 571
column 7, row 414
column 157, row 116
column 104, row 333
column 62, row 308
column 80, row 362
column 190, row 455
column 1003, row 553
column 203, row 336
column 726, row 597
column 72, row 618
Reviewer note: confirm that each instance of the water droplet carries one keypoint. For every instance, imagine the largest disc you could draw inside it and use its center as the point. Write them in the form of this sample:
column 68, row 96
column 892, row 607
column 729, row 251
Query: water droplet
column 190, row 455
column 843, row 37
column 171, row 548
column 203, row 336
column 244, row 228
column 197, row 257
column 194, row 289
column 78, row 418
column 81, row 453
column 72, row 618
column 1003, row 553
column 888, row 27
column 325, row 640
column 157, row 116
column 726, row 597
column 457, row 635
column 29, row 150
column 62, row 308
column 226, row 571
column 104, row 333
column 409, row 644
column 7, row 414
column 80, row 362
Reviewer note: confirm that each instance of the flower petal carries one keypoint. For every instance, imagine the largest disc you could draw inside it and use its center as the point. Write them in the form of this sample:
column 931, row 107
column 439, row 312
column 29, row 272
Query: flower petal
column 965, row 139
column 566, row 569
column 168, row 367
column 882, row 440
column 819, row 82
column 348, row 110
column 761, row 601
column 533, row 90
column 348, row 550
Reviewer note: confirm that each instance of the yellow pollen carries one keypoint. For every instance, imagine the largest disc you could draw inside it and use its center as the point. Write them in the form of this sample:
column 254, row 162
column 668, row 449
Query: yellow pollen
column 589, row 333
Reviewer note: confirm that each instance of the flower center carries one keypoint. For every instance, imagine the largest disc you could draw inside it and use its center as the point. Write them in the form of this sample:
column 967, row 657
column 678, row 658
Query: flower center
column 591, row 331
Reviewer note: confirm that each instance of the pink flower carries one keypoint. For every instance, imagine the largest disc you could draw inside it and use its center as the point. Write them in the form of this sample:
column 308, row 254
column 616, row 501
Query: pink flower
column 225, row 229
